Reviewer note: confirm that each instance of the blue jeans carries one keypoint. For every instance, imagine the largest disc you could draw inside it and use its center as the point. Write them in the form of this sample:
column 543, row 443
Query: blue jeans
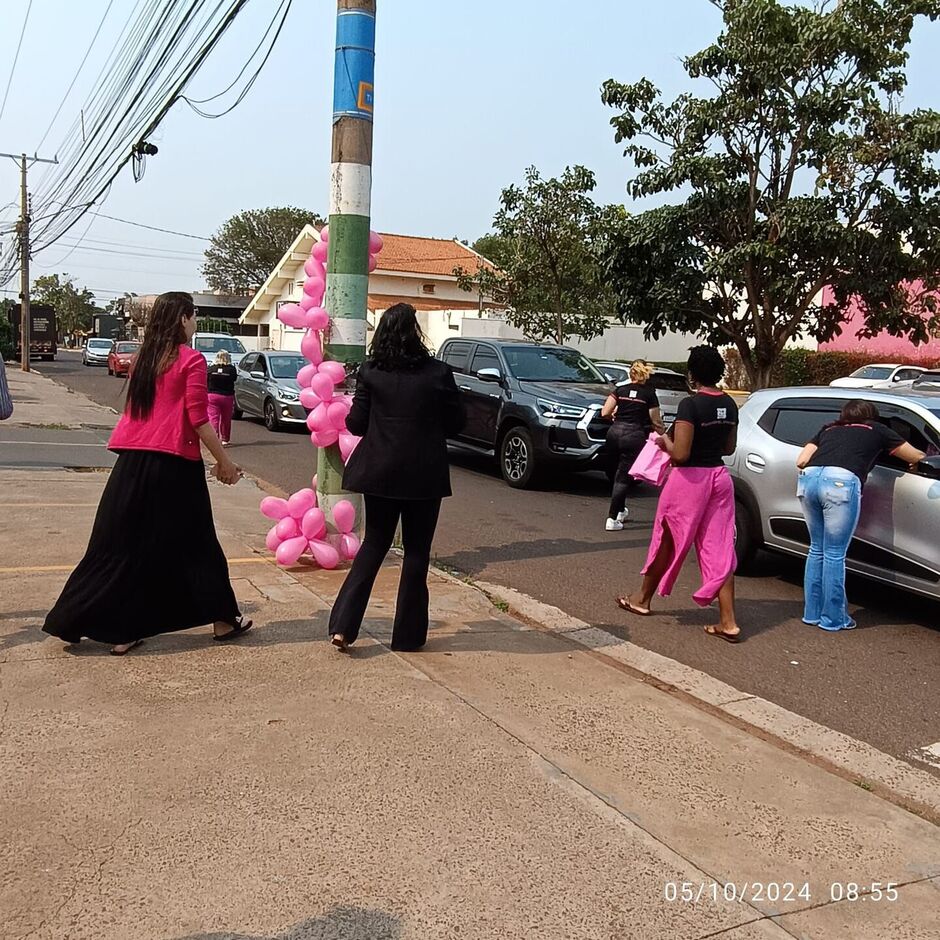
column 832, row 500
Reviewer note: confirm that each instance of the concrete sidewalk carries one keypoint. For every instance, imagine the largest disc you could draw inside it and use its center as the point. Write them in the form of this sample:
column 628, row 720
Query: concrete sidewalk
column 505, row 782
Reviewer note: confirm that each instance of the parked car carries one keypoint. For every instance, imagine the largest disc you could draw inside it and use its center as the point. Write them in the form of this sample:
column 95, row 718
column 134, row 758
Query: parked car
column 531, row 405
column 878, row 375
column 266, row 387
column 96, row 352
column 211, row 343
column 927, row 380
column 671, row 387
column 122, row 357
column 896, row 540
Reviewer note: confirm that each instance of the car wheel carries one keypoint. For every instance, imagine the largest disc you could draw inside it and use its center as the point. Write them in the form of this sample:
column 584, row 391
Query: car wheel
column 517, row 458
column 747, row 535
column 110, row 371
column 271, row 421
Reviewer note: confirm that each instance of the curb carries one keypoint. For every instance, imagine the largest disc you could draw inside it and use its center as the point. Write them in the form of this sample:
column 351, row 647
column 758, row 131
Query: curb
column 885, row 776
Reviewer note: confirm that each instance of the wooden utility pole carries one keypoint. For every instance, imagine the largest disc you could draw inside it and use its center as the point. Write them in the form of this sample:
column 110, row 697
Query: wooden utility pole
column 22, row 231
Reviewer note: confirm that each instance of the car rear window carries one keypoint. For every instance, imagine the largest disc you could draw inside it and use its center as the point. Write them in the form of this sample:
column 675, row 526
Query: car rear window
column 127, row 347
column 669, row 382
column 796, row 424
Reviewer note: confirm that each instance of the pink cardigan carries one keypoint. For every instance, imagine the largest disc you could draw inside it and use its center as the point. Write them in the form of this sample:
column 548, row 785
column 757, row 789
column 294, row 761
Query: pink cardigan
column 179, row 407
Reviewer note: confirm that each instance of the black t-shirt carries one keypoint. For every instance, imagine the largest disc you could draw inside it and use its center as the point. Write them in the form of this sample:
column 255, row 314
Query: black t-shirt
column 634, row 404
column 222, row 379
column 854, row 447
column 713, row 417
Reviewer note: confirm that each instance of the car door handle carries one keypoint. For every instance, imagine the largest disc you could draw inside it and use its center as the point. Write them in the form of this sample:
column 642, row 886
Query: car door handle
column 755, row 462
column 464, row 388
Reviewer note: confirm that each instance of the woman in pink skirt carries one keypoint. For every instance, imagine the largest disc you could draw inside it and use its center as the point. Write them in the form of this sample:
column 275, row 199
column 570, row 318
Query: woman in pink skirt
column 221, row 377
column 696, row 506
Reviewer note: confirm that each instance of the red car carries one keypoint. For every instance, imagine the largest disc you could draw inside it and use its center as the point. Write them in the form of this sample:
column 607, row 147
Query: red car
column 122, row 357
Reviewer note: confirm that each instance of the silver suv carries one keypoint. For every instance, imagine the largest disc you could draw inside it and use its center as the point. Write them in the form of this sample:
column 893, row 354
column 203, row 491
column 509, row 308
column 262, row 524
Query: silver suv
column 896, row 540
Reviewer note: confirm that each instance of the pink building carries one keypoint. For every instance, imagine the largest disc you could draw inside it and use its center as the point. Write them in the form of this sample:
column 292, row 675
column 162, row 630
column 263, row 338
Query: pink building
column 883, row 346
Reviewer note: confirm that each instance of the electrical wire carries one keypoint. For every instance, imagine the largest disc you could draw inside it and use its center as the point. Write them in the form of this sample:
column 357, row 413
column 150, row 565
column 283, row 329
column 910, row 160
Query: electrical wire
column 16, row 58
column 152, row 228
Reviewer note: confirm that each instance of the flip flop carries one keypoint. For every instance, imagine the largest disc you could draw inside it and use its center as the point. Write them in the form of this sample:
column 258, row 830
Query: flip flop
column 727, row 637
column 242, row 626
column 115, row 652
column 624, row 604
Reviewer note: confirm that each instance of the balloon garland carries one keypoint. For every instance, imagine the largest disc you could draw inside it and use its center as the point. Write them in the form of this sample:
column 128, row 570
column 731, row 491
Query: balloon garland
column 301, row 526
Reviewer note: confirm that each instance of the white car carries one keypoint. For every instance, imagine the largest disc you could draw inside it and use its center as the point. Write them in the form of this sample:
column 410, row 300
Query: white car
column 211, row 343
column 878, row 375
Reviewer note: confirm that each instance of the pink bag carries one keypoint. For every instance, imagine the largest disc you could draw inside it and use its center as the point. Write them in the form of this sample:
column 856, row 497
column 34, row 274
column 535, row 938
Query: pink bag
column 652, row 464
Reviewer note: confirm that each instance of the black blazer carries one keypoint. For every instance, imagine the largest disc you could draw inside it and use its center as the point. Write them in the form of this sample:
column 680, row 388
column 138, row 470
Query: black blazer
column 404, row 419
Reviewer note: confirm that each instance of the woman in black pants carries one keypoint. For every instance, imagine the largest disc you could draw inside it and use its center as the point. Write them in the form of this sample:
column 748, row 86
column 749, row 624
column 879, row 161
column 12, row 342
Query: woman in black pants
column 406, row 406
column 634, row 407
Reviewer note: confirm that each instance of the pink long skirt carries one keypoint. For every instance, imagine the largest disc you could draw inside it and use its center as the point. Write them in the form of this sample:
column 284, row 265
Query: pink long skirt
column 697, row 503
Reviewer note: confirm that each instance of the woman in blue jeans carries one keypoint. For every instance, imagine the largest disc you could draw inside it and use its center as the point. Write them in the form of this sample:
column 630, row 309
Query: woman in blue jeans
column 833, row 468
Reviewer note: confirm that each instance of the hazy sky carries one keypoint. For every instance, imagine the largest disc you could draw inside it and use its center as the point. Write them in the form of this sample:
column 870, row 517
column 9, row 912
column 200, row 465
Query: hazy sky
column 467, row 95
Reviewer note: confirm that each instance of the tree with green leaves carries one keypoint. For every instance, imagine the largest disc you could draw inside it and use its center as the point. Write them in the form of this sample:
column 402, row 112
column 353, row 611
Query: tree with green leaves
column 74, row 306
column 247, row 248
column 543, row 247
column 798, row 170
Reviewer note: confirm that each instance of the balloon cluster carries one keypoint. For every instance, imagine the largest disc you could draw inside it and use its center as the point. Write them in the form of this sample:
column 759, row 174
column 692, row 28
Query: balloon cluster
column 301, row 524
column 301, row 527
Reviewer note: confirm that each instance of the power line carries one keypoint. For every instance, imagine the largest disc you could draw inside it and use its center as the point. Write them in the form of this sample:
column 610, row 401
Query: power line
column 152, row 228
column 81, row 66
column 16, row 58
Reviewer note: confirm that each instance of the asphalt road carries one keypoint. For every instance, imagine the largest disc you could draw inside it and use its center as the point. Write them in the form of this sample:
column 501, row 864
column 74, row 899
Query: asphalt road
column 878, row 683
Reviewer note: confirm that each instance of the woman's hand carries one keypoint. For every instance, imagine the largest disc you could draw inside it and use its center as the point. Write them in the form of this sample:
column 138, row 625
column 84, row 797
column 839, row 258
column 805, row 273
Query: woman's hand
column 226, row 472
column 664, row 442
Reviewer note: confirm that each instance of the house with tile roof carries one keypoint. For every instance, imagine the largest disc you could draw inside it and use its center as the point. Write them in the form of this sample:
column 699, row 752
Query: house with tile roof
column 418, row 271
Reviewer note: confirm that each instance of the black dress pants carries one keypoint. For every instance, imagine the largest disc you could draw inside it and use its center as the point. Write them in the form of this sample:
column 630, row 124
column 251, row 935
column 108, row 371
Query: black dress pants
column 418, row 522
column 626, row 440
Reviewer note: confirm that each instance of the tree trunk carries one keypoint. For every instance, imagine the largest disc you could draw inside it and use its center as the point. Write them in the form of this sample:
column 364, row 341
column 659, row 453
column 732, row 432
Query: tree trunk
column 758, row 365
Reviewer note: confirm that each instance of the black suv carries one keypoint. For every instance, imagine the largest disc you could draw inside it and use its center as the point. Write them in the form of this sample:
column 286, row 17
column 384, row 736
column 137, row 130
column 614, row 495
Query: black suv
column 530, row 404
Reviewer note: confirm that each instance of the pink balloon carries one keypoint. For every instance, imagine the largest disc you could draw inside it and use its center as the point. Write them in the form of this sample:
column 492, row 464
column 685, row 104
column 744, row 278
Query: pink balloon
column 325, row 233
column 305, row 375
column 322, row 385
column 313, row 524
column 325, row 555
column 306, row 302
column 301, row 502
column 335, row 370
column 314, row 287
column 288, row 552
column 311, row 349
column 336, row 412
column 344, row 516
column 349, row 547
column 314, row 268
column 319, row 419
column 308, row 398
column 287, row 528
column 375, row 243
column 292, row 315
column 325, row 438
column 320, row 252
column 347, row 444
column 272, row 539
column 314, row 482
column 274, row 508
column 373, row 264
column 316, row 319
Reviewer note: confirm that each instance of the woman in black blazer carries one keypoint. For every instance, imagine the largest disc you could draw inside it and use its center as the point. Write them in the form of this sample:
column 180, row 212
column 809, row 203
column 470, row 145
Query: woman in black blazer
column 405, row 407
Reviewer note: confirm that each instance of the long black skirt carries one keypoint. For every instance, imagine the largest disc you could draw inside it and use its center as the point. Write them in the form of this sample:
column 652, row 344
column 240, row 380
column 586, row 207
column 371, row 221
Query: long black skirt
column 153, row 564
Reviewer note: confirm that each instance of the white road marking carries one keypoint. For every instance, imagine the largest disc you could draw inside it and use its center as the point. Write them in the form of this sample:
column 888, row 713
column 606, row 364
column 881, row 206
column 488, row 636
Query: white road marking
column 928, row 755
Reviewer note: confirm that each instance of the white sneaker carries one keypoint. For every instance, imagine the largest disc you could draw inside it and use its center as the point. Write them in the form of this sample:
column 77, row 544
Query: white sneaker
column 623, row 516
column 614, row 525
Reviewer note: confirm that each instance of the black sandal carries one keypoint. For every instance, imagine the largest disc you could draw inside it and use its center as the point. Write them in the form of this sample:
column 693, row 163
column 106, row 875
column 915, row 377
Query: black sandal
column 238, row 628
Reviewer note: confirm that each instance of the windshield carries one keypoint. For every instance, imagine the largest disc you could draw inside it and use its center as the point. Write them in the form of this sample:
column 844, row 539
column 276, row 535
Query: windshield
column 100, row 343
column 127, row 347
column 873, row 372
column 550, row 364
column 286, row 367
column 213, row 344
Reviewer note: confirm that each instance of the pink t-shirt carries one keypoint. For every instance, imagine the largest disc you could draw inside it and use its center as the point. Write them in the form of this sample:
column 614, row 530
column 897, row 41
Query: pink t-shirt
column 180, row 406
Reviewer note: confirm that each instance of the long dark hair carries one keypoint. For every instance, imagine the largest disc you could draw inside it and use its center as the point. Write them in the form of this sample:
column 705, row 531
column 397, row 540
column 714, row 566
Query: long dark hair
column 159, row 349
column 398, row 344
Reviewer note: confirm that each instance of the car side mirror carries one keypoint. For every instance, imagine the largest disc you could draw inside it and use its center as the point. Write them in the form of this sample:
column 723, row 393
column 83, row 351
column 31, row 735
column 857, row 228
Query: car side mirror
column 930, row 467
column 257, row 375
column 490, row 375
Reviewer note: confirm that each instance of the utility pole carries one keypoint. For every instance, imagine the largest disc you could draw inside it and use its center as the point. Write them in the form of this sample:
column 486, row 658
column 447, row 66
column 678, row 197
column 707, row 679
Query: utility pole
column 347, row 280
column 22, row 231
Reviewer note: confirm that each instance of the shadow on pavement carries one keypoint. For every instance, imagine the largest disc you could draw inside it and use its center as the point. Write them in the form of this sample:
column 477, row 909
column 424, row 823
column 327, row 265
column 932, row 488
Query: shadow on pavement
column 341, row 923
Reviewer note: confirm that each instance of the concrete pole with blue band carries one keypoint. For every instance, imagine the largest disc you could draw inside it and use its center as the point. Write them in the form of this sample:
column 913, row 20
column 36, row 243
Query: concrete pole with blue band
column 347, row 280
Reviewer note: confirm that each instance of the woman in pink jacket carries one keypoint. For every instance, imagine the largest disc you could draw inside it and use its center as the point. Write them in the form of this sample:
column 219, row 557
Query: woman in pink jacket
column 154, row 563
